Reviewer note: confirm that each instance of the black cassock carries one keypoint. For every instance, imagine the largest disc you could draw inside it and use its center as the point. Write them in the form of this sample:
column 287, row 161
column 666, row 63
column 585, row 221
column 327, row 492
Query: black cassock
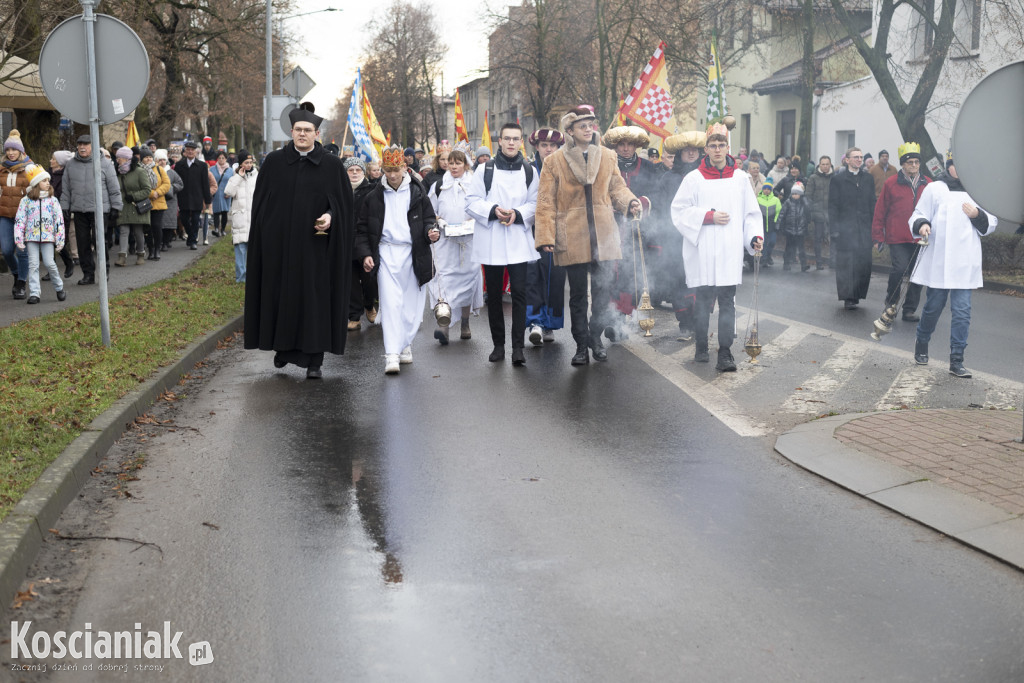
column 297, row 282
column 851, row 207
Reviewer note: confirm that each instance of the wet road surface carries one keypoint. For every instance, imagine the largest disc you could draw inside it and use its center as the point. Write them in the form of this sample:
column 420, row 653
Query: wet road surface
column 468, row 521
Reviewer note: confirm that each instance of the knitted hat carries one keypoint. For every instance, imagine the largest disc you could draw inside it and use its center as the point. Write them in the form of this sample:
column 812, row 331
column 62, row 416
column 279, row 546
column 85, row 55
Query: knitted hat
column 409, row 152
column 242, row 156
column 583, row 112
column 123, row 153
column 62, row 157
column 207, row 139
column 355, row 161
column 332, row 148
column 14, row 141
column 798, row 188
column 162, row 154
column 36, row 175
column 150, row 141
column 482, row 151
column 884, row 151
column 768, row 183
column 145, row 152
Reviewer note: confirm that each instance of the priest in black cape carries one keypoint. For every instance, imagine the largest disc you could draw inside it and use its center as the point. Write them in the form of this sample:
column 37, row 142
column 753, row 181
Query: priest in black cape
column 300, row 251
column 851, row 209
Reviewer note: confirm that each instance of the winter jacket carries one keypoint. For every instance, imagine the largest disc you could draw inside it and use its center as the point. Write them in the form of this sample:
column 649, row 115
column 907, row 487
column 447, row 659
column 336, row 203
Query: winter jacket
column 770, row 209
column 240, row 189
column 370, row 227
column 170, row 216
column 196, row 179
column 794, row 217
column 851, row 208
column 220, row 201
column 562, row 205
column 13, row 186
column 134, row 188
column 78, row 194
column 893, row 209
column 163, row 186
column 816, row 195
column 785, row 186
column 777, row 175
column 39, row 220
column 880, row 176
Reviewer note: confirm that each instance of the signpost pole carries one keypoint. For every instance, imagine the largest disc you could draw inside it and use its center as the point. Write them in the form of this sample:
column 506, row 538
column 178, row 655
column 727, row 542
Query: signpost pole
column 89, row 22
column 267, row 114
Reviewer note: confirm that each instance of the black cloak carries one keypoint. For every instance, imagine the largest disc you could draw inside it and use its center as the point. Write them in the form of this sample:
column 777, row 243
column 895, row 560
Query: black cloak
column 851, row 208
column 297, row 283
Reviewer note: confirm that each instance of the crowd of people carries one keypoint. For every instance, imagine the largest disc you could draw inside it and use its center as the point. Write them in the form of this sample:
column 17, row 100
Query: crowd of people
column 151, row 197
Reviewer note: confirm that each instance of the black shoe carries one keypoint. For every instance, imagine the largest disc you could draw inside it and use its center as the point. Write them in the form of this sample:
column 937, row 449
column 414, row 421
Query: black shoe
column 33, row 300
column 61, row 295
column 726, row 363
column 45, row 277
column 956, row 366
column 87, row 280
column 69, row 270
column 193, row 247
column 850, row 304
column 911, row 317
column 75, row 261
column 313, row 373
column 921, row 353
column 598, row 349
column 279, row 362
column 804, row 268
column 498, row 354
column 582, row 356
column 18, row 292
column 440, row 336
column 701, row 354
column 518, row 357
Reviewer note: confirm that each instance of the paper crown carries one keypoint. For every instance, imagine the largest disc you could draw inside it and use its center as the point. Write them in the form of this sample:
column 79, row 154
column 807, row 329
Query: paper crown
column 717, row 129
column 691, row 138
column 634, row 134
column 909, row 150
column 392, row 157
column 36, row 175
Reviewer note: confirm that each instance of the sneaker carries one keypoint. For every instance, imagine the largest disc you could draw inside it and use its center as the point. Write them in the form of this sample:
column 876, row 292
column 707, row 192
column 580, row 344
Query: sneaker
column 61, row 295
column 206, row 242
column 685, row 334
column 391, row 364
column 548, row 336
column 353, row 325
column 406, row 356
column 536, row 335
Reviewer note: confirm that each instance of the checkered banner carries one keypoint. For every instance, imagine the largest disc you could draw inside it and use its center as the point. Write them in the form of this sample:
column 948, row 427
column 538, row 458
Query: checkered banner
column 364, row 146
column 717, row 106
column 649, row 103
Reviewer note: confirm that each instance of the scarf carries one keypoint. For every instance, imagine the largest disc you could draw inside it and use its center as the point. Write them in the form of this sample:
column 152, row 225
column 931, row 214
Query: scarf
column 8, row 164
column 462, row 182
column 627, row 165
column 124, row 168
column 584, row 168
column 151, row 170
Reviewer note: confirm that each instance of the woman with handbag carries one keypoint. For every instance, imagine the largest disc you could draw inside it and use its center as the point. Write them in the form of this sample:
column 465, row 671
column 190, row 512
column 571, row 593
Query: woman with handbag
column 458, row 280
column 134, row 217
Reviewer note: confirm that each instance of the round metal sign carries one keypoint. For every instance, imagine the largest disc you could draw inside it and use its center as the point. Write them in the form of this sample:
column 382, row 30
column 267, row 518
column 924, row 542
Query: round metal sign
column 286, row 123
column 122, row 69
column 992, row 115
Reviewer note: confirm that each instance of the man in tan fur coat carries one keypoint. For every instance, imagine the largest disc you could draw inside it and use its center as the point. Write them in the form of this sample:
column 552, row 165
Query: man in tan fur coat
column 580, row 191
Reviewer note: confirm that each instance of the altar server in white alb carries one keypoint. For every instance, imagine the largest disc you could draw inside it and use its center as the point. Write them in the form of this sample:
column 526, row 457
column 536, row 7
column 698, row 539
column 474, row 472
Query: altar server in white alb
column 503, row 200
column 950, row 266
column 394, row 230
column 458, row 278
column 716, row 212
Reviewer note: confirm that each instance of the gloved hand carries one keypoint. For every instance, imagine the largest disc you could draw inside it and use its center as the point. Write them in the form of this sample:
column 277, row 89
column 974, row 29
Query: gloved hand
column 113, row 215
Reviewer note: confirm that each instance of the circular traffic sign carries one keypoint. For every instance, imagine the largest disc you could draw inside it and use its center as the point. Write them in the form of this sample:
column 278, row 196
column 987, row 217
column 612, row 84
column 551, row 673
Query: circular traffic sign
column 995, row 104
column 122, row 69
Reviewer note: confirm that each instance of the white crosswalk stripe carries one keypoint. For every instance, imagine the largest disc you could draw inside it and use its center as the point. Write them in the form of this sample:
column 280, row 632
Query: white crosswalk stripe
column 818, row 390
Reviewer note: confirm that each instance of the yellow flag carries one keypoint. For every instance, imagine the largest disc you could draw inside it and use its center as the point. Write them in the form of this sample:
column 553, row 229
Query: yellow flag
column 460, row 121
column 132, row 136
column 486, row 133
column 372, row 126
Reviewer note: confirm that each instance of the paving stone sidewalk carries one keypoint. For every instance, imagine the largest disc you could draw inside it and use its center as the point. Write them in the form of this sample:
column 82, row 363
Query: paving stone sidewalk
column 974, row 452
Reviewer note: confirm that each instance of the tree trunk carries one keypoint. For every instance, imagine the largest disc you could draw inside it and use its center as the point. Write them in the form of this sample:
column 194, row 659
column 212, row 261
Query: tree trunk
column 809, row 76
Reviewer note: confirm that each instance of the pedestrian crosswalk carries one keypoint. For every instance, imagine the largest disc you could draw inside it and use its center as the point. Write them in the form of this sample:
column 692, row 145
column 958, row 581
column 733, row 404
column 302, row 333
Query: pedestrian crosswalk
column 806, row 371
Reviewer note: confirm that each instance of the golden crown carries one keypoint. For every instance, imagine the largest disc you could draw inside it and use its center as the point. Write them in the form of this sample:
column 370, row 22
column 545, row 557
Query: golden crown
column 717, row 129
column 392, row 157
column 908, row 148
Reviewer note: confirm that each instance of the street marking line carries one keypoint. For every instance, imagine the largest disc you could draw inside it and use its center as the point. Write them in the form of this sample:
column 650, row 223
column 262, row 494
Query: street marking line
column 821, row 387
column 909, row 385
column 778, row 348
column 710, row 397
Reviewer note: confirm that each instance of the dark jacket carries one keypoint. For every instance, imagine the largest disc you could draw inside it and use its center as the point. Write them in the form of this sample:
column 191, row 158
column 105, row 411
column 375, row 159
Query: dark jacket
column 794, row 217
column 851, row 208
column 785, row 186
column 196, row 191
column 894, row 207
column 370, row 227
column 816, row 195
column 134, row 187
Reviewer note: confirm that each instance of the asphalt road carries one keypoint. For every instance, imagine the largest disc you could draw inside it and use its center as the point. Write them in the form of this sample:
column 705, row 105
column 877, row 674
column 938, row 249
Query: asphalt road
column 469, row 521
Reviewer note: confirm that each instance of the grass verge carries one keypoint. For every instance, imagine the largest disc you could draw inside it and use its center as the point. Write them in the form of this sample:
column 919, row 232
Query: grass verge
column 56, row 376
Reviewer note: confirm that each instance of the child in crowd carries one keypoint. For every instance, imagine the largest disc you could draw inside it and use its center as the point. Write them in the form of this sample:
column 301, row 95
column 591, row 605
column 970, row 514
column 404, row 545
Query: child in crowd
column 770, row 207
column 39, row 230
column 793, row 221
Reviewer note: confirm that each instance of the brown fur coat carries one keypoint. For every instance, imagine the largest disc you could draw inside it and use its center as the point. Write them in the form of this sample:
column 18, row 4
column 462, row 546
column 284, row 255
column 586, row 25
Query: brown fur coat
column 561, row 218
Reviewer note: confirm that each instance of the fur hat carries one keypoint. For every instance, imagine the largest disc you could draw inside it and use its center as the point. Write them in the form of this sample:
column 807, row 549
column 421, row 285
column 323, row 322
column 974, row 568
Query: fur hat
column 674, row 144
column 546, row 135
column 304, row 112
column 583, row 112
column 62, row 157
column 355, row 161
column 36, row 175
column 634, row 134
column 13, row 141
column 798, row 188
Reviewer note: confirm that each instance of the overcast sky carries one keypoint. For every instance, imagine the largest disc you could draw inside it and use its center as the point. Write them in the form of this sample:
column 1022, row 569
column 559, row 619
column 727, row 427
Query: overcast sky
column 336, row 41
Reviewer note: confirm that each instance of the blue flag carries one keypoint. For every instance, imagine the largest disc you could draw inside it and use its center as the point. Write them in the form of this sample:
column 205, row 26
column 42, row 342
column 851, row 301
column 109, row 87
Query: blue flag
column 364, row 146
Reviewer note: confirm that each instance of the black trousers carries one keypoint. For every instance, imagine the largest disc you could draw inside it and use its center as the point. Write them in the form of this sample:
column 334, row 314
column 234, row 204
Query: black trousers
column 190, row 219
column 903, row 257
column 363, row 293
column 493, row 278
column 819, row 229
column 706, row 297
column 154, row 233
column 220, row 221
column 795, row 250
column 85, row 235
column 600, row 292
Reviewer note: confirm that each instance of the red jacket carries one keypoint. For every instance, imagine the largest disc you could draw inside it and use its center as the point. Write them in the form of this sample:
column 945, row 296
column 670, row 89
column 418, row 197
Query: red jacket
column 893, row 209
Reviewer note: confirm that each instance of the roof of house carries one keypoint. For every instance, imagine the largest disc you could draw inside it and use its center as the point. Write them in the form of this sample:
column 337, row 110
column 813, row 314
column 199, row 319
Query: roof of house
column 791, row 75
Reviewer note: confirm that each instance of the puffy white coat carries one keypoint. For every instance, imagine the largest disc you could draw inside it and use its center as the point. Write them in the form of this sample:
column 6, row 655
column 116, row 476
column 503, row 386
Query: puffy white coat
column 241, row 189
column 953, row 258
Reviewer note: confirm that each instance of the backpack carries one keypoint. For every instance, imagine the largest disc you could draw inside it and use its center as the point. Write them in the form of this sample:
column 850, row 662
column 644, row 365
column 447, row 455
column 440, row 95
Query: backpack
column 489, row 174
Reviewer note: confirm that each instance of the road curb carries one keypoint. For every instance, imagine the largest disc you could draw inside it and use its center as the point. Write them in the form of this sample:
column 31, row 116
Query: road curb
column 984, row 527
column 23, row 532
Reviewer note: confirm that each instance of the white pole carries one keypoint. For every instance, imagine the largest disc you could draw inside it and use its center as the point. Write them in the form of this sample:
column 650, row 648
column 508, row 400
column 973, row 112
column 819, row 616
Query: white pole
column 267, row 114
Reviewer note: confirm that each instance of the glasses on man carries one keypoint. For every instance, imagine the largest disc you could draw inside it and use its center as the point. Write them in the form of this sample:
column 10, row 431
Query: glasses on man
column 717, row 146
column 508, row 139
column 304, row 131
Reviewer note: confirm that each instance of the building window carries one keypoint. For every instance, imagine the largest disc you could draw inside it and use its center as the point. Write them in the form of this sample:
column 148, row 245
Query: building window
column 845, row 139
column 968, row 24
column 786, row 131
column 745, row 130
